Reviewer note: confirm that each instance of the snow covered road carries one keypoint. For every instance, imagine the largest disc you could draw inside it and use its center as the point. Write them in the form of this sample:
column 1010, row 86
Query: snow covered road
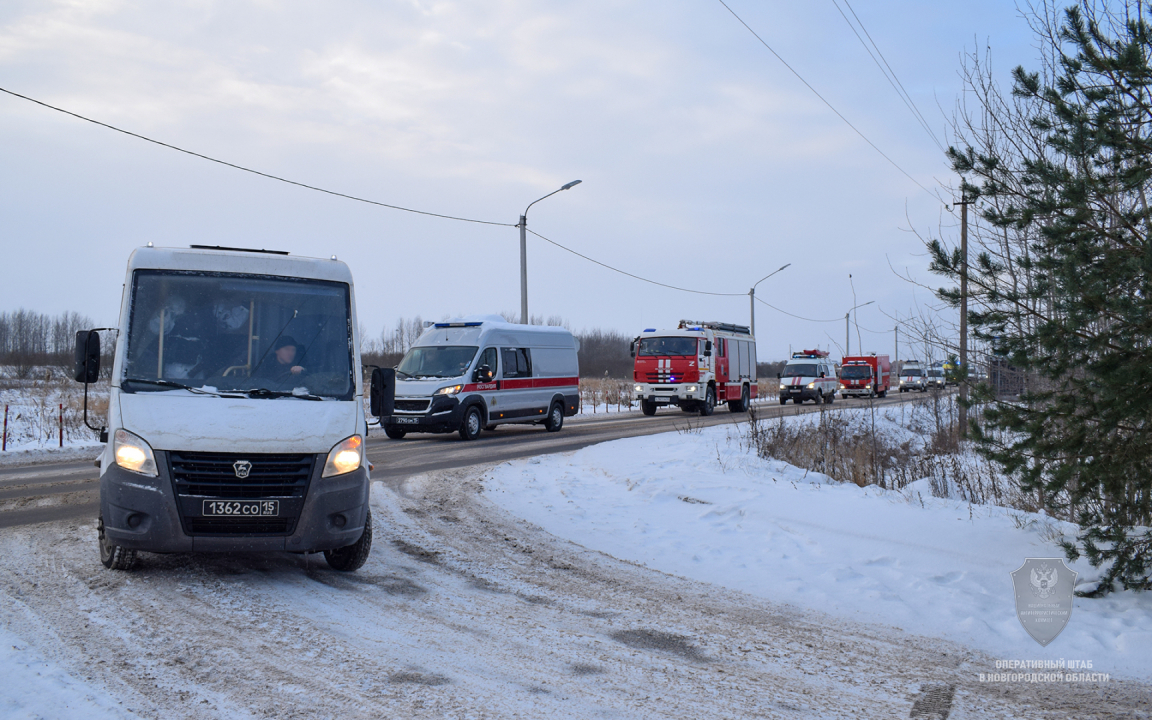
column 462, row 611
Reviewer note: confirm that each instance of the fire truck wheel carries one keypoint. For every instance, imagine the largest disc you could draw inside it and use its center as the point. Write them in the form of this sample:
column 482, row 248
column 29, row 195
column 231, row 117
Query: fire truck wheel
column 470, row 427
column 882, row 393
column 739, row 406
column 395, row 433
column 709, row 405
column 555, row 419
column 647, row 407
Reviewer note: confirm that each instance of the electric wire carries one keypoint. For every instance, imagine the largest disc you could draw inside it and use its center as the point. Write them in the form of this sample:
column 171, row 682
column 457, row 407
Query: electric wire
column 250, row 170
column 828, row 104
column 798, row 317
column 889, row 74
column 635, row 277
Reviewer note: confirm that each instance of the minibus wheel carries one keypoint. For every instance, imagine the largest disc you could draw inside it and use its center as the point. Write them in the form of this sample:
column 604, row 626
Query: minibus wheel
column 472, row 424
column 352, row 557
column 113, row 557
column 555, row 419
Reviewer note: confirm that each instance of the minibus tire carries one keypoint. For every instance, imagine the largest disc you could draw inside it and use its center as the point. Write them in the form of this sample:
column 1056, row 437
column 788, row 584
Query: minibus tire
column 114, row 557
column 352, row 557
column 395, row 433
column 555, row 419
column 472, row 423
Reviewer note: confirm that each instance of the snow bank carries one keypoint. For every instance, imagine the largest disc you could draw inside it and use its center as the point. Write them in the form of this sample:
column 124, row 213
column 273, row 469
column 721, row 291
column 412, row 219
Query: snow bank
column 700, row 505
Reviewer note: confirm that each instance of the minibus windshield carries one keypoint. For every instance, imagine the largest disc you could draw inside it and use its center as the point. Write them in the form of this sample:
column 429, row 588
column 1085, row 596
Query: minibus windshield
column 257, row 335
column 800, row 370
column 447, row 361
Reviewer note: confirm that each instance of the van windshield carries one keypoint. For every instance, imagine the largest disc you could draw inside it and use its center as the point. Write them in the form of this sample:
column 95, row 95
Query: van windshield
column 856, row 372
column 911, row 372
column 666, row 346
column 800, row 370
column 258, row 335
column 446, row 361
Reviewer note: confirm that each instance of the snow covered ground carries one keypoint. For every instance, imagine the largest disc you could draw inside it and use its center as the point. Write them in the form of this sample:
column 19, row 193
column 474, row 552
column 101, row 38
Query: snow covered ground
column 702, row 506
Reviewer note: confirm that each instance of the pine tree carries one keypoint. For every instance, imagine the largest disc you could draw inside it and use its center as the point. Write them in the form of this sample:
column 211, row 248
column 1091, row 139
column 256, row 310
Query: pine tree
column 1060, row 284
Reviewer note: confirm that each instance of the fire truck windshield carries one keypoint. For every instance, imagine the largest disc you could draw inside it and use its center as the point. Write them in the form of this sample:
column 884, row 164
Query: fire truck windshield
column 664, row 346
column 800, row 370
column 856, row 372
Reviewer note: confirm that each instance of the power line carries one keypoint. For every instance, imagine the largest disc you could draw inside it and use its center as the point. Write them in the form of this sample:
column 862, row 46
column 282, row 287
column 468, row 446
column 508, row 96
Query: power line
column 635, row 277
column 250, row 170
column 830, row 107
column 798, row 317
column 893, row 80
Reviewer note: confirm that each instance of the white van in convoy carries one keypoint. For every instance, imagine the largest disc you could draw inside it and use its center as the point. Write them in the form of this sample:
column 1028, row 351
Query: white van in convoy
column 477, row 373
column 809, row 375
column 235, row 414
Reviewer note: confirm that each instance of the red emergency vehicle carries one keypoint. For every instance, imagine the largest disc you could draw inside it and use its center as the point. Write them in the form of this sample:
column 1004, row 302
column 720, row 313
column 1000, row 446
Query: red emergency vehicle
column 865, row 376
column 695, row 366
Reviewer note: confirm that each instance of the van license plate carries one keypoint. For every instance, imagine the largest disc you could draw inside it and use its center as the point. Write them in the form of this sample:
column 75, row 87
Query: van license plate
column 242, row 508
column 405, row 421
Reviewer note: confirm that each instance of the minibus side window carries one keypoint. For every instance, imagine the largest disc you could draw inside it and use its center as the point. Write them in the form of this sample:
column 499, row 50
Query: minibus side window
column 517, row 362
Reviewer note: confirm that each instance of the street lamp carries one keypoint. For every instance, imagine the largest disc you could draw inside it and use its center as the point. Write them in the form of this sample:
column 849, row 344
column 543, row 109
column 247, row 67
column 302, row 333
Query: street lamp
column 523, row 225
column 752, row 297
column 847, row 337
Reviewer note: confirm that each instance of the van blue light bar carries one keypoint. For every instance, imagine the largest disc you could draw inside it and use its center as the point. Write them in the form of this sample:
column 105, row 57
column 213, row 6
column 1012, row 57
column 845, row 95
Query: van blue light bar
column 459, row 324
column 649, row 329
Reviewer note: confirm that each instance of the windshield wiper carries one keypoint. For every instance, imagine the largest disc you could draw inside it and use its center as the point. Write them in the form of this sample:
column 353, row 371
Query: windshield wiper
column 266, row 393
column 176, row 386
column 404, row 373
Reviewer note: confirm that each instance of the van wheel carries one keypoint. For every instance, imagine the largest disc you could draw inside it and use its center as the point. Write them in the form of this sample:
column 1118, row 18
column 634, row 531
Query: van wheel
column 739, row 406
column 709, row 405
column 113, row 557
column 647, row 407
column 555, row 419
column 819, row 397
column 829, row 398
column 783, row 401
column 470, row 427
column 395, row 433
column 352, row 557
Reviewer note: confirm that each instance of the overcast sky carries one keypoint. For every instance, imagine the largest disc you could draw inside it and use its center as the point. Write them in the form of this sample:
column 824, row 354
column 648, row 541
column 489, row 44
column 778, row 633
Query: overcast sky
column 706, row 163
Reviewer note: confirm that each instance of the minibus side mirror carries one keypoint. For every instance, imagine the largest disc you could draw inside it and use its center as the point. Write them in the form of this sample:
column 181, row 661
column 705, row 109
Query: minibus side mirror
column 382, row 394
column 707, row 348
column 483, row 374
column 823, row 374
column 87, row 356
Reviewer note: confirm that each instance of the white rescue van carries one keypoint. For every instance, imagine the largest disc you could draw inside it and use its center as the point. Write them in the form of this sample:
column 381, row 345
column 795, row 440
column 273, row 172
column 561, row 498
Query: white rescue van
column 477, row 373
column 809, row 375
column 235, row 415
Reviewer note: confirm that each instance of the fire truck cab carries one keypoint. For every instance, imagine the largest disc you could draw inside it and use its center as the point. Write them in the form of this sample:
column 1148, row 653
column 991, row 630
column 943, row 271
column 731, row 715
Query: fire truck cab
column 809, row 375
column 695, row 366
column 865, row 376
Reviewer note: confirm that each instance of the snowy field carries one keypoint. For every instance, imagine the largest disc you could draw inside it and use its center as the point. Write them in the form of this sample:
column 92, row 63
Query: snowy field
column 702, row 506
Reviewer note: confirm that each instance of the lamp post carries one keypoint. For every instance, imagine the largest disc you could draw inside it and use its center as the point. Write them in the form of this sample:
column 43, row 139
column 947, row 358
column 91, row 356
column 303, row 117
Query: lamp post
column 847, row 337
column 523, row 225
column 752, row 297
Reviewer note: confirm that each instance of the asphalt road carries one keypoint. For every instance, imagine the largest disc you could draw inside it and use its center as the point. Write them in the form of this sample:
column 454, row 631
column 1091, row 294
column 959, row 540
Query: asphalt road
column 68, row 491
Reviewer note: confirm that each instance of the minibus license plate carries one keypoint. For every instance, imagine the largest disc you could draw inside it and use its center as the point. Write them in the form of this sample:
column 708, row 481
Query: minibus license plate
column 406, row 421
column 242, row 508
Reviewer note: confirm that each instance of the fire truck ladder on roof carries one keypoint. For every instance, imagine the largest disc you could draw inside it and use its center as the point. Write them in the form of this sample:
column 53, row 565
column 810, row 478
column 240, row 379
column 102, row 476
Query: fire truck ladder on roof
column 723, row 327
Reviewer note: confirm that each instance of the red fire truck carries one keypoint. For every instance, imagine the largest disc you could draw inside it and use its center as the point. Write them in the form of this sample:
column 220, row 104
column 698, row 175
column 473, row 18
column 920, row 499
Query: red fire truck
column 865, row 376
column 695, row 366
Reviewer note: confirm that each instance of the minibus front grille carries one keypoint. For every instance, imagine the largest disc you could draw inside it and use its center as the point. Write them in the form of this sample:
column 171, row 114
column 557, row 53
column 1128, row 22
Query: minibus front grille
column 412, row 405
column 199, row 477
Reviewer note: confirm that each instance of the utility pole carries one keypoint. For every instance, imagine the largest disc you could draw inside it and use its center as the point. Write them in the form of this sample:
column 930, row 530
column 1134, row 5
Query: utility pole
column 963, row 384
column 524, row 268
column 847, row 336
column 896, row 357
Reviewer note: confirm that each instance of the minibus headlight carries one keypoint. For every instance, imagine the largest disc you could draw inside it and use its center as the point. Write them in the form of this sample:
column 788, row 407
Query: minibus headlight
column 132, row 453
column 346, row 456
column 450, row 390
column 811, row 385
